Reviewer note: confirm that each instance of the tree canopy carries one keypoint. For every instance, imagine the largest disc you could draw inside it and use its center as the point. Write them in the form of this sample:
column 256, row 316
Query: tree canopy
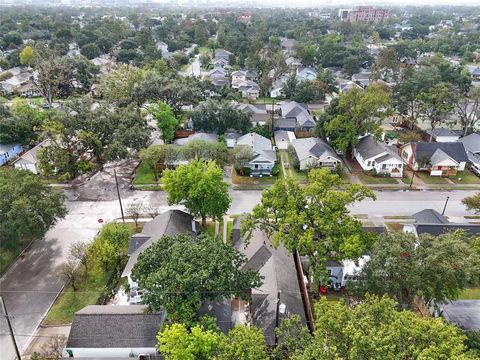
column 166, row 120
column 180, row 272
column 200, row 187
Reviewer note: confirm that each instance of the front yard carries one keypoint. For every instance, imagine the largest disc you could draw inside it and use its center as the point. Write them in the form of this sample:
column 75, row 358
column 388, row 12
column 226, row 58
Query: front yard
column 238, row 179
column 367, row 179
column 465, row 177
column 427, row 179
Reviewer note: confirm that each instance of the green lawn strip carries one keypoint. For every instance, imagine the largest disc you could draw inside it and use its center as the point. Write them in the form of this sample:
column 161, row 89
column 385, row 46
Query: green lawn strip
column 366, row 179
column 427, row 179
column 204, row 50
column 69, row 302
column 401, row 217
column 265, row 100
column 470, row 294
column 465, row 177
column 144, row 175
column 9, row 252
column 472, row 217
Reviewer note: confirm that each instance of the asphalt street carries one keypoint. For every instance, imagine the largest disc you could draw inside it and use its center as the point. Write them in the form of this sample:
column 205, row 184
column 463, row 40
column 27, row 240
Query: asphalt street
column 31, row 285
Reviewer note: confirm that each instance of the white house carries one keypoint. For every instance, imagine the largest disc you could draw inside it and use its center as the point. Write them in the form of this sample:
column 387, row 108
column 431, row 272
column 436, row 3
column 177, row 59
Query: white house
column 440, row 159
column 443, row 135
column 306, row 73
column 339, row 273
column 30, row 160
column 472, row 147
column 265, row 156
column 371, row 154
column 314, row 152
column 283, row 139
column 114, row 331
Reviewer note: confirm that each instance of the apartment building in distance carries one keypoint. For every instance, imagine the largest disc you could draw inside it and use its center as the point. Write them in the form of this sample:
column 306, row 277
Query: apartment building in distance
column 367, row 14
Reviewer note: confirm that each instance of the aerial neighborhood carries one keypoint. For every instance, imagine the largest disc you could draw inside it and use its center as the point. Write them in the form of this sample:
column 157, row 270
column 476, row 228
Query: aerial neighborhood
column 228, row 181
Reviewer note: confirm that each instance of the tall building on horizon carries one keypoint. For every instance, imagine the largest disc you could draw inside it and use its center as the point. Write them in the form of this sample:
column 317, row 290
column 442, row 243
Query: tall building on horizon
column 367, row 14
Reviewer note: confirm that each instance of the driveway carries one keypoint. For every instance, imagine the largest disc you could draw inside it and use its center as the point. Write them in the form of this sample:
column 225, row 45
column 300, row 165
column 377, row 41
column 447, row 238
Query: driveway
column 31, row 284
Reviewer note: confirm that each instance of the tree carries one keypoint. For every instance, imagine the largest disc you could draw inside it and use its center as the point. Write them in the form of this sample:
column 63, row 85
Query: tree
column 174, row 92
column 176, row 342
column 200, row 187
column 90, row 51
column 135, row 210
column 467, row 106
column 180, row 272
column 313, row 220
column 435, row 104
column 28, row 207
column 472, row 202
column 434, row 268
column 292, row 338
column 386, row 64
column 290, row 86
column 243, row 154
column 220, row 116
column 408, row 136
column 242, row 343
column 154, row 156
column 324, row 83
column 305, row 92
column 111, row 244
column 26, row 55
column 69, row 272
column 119, row 84
column 204, row 60
column 79, row 252
column 201, row 33
column 374, row 329
column 166, row 120
column 354, row 114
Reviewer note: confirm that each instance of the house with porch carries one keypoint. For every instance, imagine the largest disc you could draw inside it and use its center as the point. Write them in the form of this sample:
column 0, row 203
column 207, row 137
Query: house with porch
column 374, row 155
column 314, row 153
column 437, row 158
column 265, row 156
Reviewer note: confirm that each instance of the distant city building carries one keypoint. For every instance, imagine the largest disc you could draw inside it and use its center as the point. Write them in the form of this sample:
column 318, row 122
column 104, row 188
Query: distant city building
column 343, row 13
column 367, row 14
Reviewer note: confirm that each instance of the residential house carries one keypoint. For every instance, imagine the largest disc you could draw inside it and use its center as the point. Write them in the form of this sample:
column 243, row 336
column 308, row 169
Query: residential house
column 430, row 221
column 340, row 272
column 362, row 79
column 171, row 222
column 114, row 331
column 283, row 139
column 345, row 86
column 306, row 74
column 277, row 86
column 265, row 156
column 463, row 313
column 221, row 63
column 471, row 144
column 30, row 160
column 373, row 155
column 18, row 81
column 222, row 54
column 288, row 44
column 209, row 137
column 443, row 135
column 293, row 63
column 280, row 295
column 406, row 62
column 218, row 71
column 257, row 112
column 301, row 114
column 9, row 152
column 163, row 47
column 283, row 124
column 241, row 76
column 314, row 152
column 219, row 80
column 105, row 63
column 440, row 159
column 249, row 89
column 474, row 71
column 231, row 138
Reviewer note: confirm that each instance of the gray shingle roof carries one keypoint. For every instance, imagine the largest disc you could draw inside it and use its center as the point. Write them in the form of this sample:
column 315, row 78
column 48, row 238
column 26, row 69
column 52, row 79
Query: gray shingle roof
column 471, row 142
column 464, row 313
column 171, row 222
column 438, row 229
column 220, row 310
column 440, row 132
column 429, row 216
column 368, row 147
column 114, row 326
column 453, row 149
column 313, row 147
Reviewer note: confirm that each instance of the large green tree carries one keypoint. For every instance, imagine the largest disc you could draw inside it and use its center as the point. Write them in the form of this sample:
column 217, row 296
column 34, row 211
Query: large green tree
column 434, row 268
column 28, row 208
column 166, row 120
column 313, row 219
column 200, row 187
column 220, row 116
column 375, row 329
column 180, row 272
column 472, row 202
column 119, row 84
column 354, row 114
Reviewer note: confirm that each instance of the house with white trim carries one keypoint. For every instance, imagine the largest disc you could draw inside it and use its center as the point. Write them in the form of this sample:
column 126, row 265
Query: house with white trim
column 265, row 155
column 372, row 154
column 315, row 153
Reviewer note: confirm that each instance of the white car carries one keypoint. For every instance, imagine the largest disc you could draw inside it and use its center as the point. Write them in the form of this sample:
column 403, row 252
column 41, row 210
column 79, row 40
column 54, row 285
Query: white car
column 475, row 168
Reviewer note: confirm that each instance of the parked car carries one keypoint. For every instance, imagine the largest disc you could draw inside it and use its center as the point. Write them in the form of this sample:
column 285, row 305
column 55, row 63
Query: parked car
column 475, row 169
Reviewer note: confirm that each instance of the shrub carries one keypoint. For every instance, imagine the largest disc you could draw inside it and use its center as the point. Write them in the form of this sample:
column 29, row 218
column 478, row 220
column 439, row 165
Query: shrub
column 276, row 170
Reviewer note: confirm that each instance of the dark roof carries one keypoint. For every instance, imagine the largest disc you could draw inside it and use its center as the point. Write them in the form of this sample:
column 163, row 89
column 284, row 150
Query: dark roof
column 464, row 313
column 429, row 216
column 453, row 149
column 368, row 147
column 285, row 123
column 438, row 229
column 375, row 229
column 220, row 310
column 114, row 326
column 277, row 267
column 441, row 132
column 136, row 242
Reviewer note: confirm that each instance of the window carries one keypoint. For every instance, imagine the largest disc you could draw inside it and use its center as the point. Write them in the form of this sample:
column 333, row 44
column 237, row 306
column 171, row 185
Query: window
column 369, row 163
column 384, row 166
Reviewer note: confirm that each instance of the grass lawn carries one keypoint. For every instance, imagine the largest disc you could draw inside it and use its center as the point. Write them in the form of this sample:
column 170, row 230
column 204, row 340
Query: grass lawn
column 465, row 177
column 266, row 100
column 8, row 256
column 144, row 175
column 247, row 180
column 69, row 302
column 211, row 229
column 470, row 294
column 366, row 179
column 204, row 50
column 427, row 179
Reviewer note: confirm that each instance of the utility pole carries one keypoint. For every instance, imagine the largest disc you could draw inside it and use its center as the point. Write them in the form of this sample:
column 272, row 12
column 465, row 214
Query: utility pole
column 445, row 206
column 10, row 328
column 118, row 193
